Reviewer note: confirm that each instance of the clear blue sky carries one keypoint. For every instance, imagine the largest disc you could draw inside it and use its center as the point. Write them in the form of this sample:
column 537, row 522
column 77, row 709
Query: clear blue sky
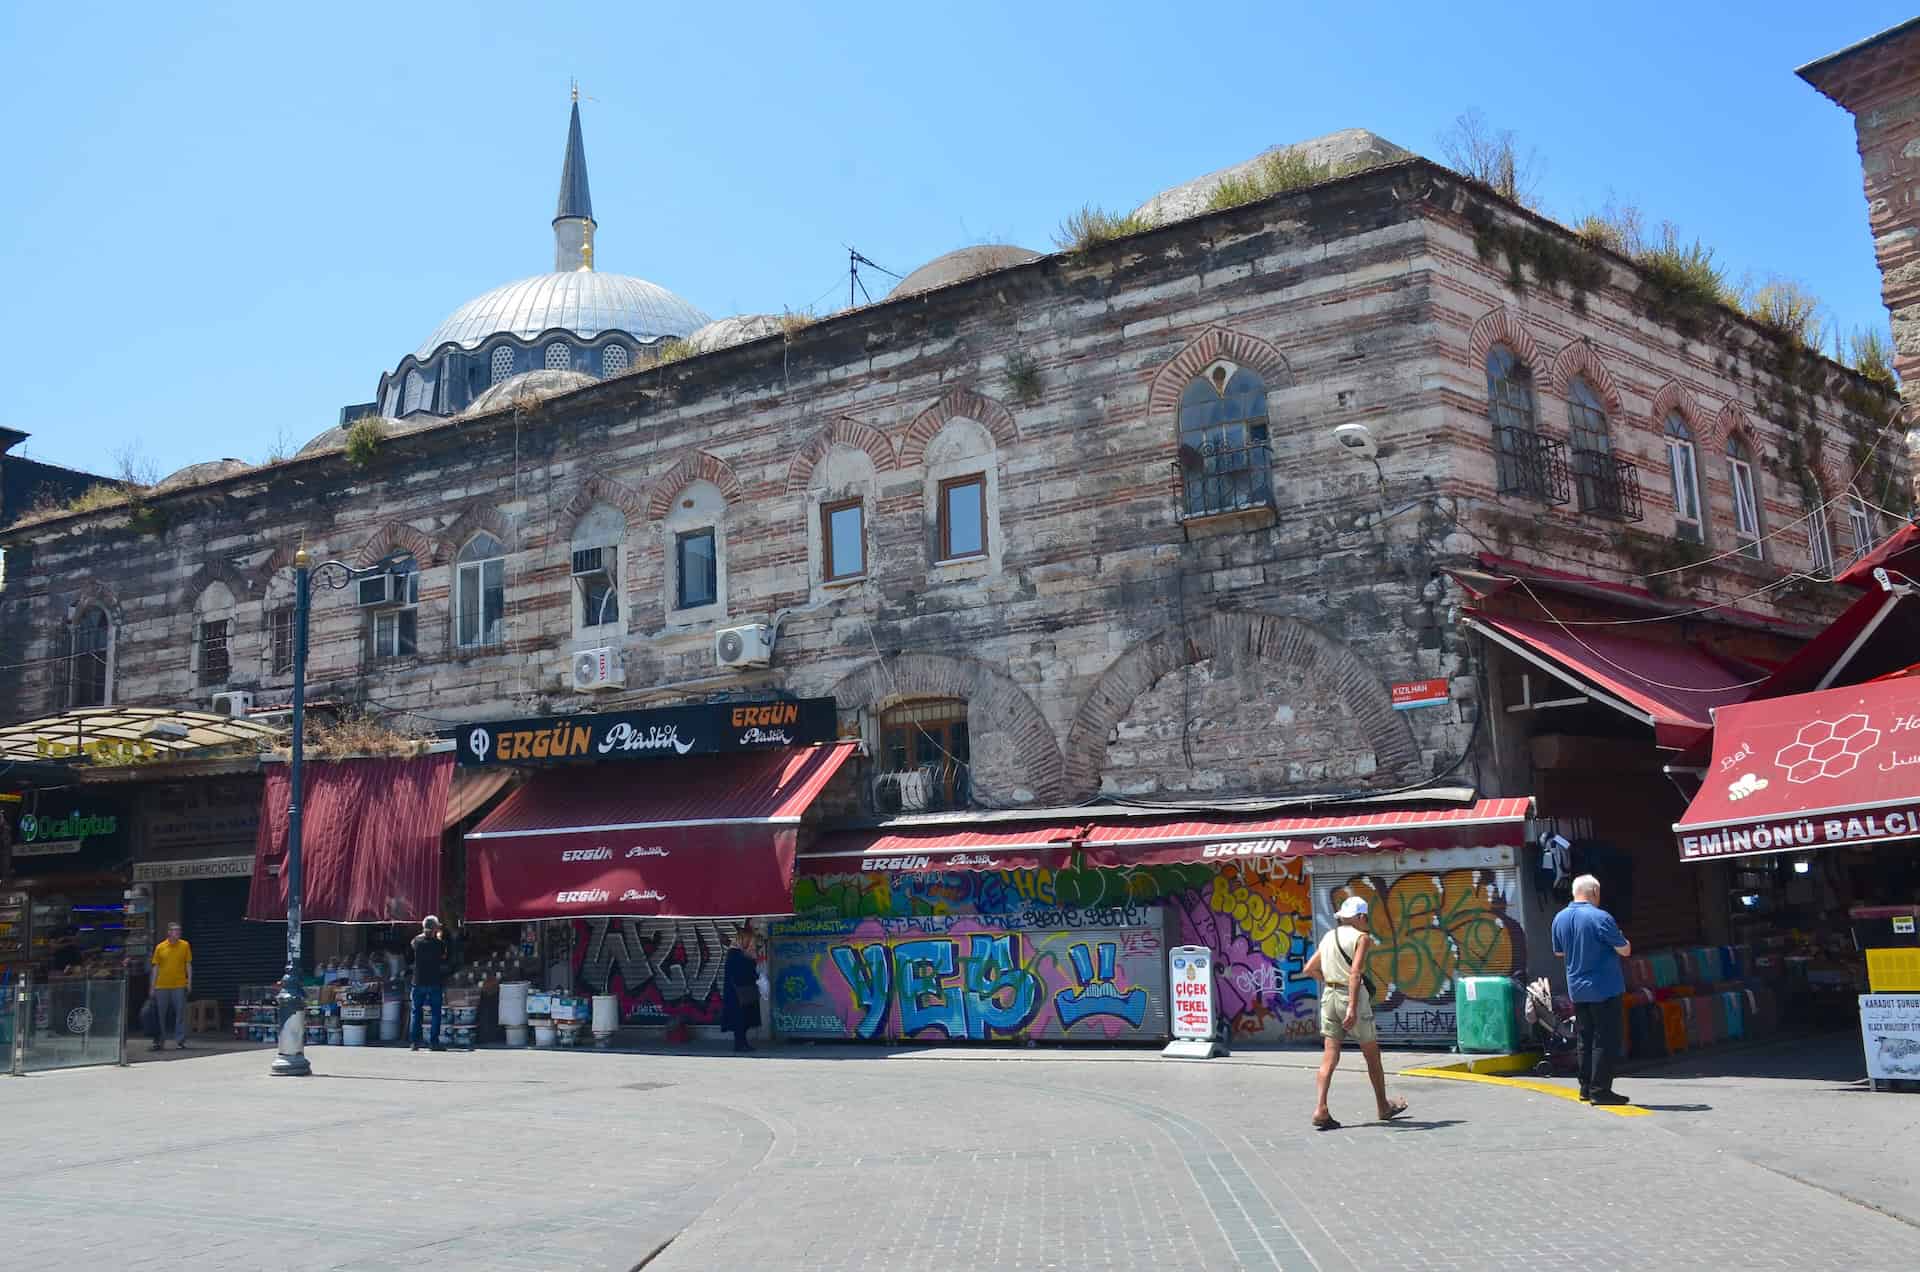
column 219, row 223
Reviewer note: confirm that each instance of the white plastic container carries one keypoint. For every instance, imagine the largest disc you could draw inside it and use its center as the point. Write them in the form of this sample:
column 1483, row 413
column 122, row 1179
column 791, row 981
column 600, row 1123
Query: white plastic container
column 543, row 1035
column 516, row 1035
column 606, row 1014
column 390, row 1020
column 513, row 1002
column 355, row 1035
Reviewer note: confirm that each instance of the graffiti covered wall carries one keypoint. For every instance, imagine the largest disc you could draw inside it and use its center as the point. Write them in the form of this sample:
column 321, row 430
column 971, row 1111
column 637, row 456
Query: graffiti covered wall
column 1255, row 915
column 661, row 970
column 980, row 978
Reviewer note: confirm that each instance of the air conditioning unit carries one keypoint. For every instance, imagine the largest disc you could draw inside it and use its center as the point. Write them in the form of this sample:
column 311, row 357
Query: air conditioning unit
column 597, row 669
column 590, row 561
column 749, row 646
column 375, row 590
column 235, row 704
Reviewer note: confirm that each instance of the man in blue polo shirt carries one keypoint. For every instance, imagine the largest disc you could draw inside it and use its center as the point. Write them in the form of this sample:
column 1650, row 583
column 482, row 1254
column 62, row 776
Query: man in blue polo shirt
column 1590, row 941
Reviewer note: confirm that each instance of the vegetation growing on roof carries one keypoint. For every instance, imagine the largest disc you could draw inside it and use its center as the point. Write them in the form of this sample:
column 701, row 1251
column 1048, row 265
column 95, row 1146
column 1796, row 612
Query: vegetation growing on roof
column 1277, row 174
column 1493, row 157
column 1553, row 262
column 1092, row 226
column 364, row 439
column 674, row 350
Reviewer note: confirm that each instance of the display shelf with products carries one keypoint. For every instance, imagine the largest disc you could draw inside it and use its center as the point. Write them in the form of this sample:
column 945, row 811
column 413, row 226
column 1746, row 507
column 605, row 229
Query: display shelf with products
column 15, row 928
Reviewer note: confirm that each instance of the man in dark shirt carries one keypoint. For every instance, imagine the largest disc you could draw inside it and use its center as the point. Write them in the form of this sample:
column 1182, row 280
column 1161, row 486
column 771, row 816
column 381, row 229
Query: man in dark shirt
column 429, row 976
column 1590, row 941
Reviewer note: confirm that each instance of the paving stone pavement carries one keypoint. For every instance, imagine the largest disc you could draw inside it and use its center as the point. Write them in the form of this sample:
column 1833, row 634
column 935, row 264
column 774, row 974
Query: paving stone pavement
column 850, row 1158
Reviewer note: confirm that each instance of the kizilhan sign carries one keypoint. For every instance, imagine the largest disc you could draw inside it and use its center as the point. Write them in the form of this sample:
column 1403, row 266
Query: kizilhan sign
column 708, row 729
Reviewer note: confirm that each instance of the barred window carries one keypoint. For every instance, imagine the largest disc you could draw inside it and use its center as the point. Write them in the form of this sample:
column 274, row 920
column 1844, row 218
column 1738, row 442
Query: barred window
column 92, row 651
column 501, row 365
column 613, row 360
column 559, row 357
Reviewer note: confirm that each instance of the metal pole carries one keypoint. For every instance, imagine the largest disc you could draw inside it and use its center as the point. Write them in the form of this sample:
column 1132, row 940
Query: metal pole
column 290, row 1006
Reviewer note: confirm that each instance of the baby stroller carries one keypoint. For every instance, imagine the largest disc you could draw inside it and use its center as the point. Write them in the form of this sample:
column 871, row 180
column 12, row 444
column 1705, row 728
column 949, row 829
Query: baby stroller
column 1550, row 1021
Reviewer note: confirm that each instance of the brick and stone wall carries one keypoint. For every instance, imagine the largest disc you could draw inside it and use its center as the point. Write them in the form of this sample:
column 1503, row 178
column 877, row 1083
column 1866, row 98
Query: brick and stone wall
column 1101, row 641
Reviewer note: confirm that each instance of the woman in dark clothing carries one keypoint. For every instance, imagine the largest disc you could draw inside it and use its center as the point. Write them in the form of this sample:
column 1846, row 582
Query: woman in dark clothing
column 740, row 990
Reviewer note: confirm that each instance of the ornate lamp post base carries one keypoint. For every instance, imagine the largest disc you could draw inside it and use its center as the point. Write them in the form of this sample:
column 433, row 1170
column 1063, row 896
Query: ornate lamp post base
column 290, row 1010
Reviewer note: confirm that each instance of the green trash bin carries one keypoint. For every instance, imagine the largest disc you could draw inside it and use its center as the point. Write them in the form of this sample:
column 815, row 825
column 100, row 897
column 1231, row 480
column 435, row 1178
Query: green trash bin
column 1487, row 1012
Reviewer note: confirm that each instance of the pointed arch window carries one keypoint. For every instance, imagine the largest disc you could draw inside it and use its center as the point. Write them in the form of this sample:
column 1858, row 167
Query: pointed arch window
column 1608, row 486
column 90, row 673
column 1819, row 538
column 480, row 593
column 1860, row 525
column 1224, row 449
column 1526, row 463
column 1746, row 497
column 1683, row 469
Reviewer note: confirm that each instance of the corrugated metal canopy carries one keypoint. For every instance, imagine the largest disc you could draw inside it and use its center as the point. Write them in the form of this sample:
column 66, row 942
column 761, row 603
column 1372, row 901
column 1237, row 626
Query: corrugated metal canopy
column 166, row 730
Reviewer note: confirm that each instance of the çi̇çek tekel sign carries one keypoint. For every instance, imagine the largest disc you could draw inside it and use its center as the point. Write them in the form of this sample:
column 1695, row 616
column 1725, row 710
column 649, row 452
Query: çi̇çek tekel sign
column 707, row 729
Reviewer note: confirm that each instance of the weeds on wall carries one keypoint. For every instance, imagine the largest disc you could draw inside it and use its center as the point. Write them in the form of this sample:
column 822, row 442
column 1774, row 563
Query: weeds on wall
column 795, row 321
column 130, row 490
column 1536, row 258
column 1659, row 557
column 1277, row 174
column 671, row 351
column 1024, row 381
column 1092, row 226
column 364, row 439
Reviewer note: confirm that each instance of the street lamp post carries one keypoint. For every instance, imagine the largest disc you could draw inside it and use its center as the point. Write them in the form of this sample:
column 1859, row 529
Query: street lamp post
column 290, row 1005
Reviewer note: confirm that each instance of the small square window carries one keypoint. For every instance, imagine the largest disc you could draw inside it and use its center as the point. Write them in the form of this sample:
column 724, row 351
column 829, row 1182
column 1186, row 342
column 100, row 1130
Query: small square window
column 843, row 548
column 697, row 569
column 963, row 517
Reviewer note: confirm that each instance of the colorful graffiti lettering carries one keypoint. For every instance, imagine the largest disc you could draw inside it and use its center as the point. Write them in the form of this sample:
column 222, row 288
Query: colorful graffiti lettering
column 966, row 978
column 1431, row 928
column 661, row 970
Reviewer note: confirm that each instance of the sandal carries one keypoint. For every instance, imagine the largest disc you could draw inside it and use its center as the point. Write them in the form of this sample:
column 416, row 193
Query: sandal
column 1325, row 1123
column 1396, row 1107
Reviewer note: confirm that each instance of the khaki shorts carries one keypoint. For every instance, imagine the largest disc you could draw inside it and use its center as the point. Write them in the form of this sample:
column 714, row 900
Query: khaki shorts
column 1333, row 1019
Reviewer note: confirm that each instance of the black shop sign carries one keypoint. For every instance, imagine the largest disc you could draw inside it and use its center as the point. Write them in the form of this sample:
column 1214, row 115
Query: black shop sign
column 708, row 729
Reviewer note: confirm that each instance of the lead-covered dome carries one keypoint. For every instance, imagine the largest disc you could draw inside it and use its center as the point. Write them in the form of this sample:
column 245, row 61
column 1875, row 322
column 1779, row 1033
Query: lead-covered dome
column 528, row 384
column 967, row 262
column 583, row 302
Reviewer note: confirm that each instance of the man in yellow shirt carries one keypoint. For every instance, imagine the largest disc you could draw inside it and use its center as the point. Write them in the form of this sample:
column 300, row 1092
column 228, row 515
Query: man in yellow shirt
column 172, row 978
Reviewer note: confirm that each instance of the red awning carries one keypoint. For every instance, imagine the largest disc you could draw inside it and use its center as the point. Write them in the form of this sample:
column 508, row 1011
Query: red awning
column 1195, row 837
column 997, row 845
column 1892, row 553
column 1674, row 688
column 704, row 837
column 1790, row 774
column 369, row 840
column 1876, row 634
column 1500, row 574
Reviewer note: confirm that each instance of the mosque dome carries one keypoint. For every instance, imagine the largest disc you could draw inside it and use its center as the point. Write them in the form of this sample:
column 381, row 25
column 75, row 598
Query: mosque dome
column 581, row 301
column 199, row 474
column 336, row 438
column 724, row 333
column 528, row 384
column 956, row 266
column 1349, row 146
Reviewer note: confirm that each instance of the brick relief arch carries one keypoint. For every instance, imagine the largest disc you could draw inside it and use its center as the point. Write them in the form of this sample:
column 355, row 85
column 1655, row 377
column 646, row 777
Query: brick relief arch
column 238, row 582
column 956, row 404
column 1579, row 359
column 1673, row 397
column 1279, row 642
column 1011, row 740
column 699, row 466
column 100, row 596
column 397, row 536
column 1171, row 380
column 841, row 432
column 478, row 515
column 1500, row 327
column 602, row 490
column 1731, row 421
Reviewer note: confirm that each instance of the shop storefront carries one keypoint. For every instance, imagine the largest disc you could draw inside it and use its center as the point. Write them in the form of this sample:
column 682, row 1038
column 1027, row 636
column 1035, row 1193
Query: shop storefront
column 1056, row 925
column 637, row 845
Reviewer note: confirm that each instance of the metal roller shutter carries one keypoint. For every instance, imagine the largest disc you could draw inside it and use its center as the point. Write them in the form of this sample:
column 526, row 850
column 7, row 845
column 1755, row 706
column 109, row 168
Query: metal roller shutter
column 228, row 951
column 1434, row 916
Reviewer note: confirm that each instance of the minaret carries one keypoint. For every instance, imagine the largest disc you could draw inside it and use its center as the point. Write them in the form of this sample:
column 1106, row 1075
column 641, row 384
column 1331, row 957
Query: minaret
column 573, row 219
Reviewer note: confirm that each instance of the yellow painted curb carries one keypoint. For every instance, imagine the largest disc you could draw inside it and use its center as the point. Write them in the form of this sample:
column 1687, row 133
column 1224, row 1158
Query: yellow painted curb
column 1517, row 1062
column 1543, row 1088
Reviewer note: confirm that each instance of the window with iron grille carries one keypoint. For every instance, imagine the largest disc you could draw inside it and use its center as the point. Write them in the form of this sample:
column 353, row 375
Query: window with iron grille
column 1225, row 459
column 92, row 640
column 1684, row 471
column 214, row 664
column 1510, row 411
column 924, row 759
column 559, row 357
column 613, row 360
column 1593, row 466
column 280, row 638
column 500, row 367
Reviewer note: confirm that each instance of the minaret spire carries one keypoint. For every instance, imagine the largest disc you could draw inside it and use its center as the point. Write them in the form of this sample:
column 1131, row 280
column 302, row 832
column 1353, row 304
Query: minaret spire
column 573, row 222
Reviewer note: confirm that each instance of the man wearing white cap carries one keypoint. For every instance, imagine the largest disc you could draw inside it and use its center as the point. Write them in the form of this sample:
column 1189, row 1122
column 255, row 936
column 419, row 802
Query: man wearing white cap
column 1346, row 1009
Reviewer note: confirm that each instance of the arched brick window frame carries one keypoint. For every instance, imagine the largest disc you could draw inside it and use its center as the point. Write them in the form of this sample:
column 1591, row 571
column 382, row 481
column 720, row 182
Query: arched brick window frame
column 844, row 431
column 397, row 536
column 1281, row 641
column 992, row 414
column 1500, row 327
column 699, row 466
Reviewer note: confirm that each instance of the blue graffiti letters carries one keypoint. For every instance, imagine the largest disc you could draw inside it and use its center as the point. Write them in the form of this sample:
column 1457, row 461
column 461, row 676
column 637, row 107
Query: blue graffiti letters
column 1097, row 995
column 869, row 975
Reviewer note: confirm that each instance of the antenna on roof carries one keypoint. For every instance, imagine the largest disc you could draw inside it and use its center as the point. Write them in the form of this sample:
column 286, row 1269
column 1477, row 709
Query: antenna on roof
column 854, row 261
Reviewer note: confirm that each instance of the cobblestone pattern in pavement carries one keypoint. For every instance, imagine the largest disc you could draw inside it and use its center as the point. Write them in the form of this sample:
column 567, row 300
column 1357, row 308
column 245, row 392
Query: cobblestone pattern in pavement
column 530, row 1160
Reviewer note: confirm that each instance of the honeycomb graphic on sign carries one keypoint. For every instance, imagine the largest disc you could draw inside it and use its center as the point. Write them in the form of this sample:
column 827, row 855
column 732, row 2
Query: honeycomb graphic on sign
column 1827, row 748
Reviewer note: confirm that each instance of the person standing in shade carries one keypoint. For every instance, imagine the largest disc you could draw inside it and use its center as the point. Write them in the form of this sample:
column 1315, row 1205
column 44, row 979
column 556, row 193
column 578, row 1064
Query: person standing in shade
column 1590, row 941
column 1346, row 1010
column 740, row 989
column 429, row 979
column 172, row 978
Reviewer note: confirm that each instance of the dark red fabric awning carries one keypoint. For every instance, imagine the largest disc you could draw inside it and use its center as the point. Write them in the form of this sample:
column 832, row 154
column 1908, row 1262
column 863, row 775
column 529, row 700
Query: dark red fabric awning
column 1841, row 766
column 1671, row 687
column 369, row 840
column 1898, row 551
column 1008, row 845
column 704, row 837
column 1195, row 837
